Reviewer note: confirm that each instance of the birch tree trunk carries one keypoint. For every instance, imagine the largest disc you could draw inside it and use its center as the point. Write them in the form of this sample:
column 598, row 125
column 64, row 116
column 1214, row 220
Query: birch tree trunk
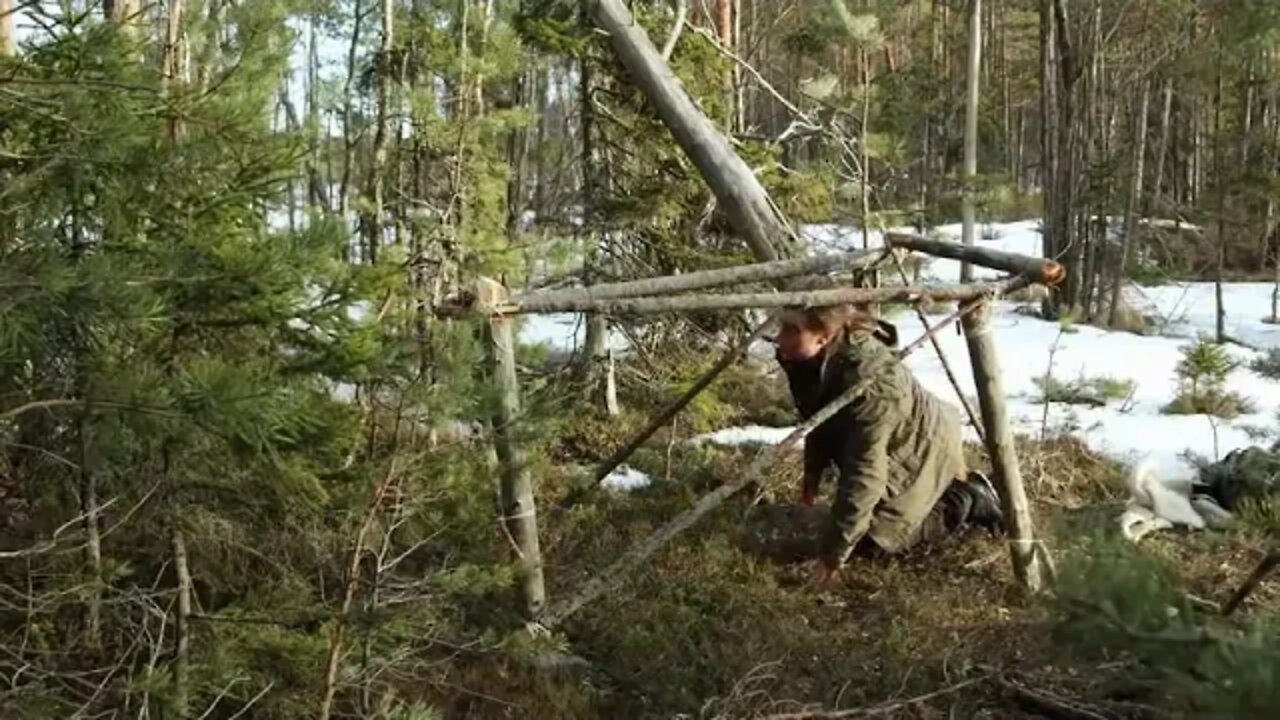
column 89, row 508
column 8, row 41
column 1135, row 201
column 737, row 189
column 968, row 209
column 1220, row 181
column 1162, row 148
column 181, row 626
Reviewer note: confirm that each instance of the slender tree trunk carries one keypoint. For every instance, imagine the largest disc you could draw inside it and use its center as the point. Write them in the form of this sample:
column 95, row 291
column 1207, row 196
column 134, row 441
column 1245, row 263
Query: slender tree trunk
column 119, row 11
column 348, row 110
column 865, row 131
column 1135, row 201
column 317, row 193
column 90, row 464
column 968, row 209
column 1162, row 148
column 597, row 327
column 181, row 626
column 1069, row 245
column 1220, row 181
column 1049, row 142
column 725, row 34
column 377, row 172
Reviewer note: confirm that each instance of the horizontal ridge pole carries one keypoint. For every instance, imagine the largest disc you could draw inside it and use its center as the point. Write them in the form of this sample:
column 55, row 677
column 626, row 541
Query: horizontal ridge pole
column 702, row 279
column 744, row 301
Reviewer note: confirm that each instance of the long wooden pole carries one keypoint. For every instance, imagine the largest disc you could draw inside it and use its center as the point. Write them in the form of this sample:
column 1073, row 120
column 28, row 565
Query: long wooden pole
column 1030, row 564
column 519, row 516
column 733, row 301
column 1038, row 270
column 737, row 189
column 703, row 279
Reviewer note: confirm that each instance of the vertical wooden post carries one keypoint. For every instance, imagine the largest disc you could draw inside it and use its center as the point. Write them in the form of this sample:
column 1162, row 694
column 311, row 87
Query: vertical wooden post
column 1027, row 557
column 519, row 516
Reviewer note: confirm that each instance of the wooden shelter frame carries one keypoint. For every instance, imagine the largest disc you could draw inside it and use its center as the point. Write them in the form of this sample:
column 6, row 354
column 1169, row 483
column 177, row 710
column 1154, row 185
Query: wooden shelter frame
column 680, row 293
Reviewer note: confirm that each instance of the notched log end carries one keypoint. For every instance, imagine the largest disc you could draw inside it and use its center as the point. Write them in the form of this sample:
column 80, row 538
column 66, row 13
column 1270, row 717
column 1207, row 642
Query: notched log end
column 1052, row 274
column 486, row 297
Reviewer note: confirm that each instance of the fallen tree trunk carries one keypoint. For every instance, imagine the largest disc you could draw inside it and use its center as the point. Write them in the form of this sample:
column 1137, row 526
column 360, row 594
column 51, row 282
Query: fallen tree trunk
column 738, row 191
column 1037, row 270
column 703, row 279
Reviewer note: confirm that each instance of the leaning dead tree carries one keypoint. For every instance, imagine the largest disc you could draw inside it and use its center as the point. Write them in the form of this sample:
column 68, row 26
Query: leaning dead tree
column 492, row 303
column 737, row 189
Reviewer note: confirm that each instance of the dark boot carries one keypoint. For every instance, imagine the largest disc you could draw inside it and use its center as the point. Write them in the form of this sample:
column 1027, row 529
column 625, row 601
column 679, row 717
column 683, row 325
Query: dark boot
column 984, row 502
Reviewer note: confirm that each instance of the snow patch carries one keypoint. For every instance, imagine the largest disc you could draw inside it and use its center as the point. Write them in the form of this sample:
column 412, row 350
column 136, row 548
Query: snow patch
column 745, row 435
column 625, row 478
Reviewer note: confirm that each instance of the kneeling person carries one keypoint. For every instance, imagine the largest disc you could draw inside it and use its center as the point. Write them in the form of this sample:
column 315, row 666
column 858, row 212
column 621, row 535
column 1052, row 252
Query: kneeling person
column 897, row 448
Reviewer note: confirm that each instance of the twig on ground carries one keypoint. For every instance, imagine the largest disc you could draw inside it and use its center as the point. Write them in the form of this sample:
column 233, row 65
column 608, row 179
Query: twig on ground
column 1255, row 578
column 881, row 709
column 1051, row 705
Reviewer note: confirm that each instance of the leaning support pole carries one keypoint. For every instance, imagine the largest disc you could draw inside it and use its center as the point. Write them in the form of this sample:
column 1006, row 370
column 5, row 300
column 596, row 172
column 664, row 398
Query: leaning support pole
column 703, row 279
column 519, row 516
column 942, row 357
column 1029, row 561
column 602, row 583
column 621, row 454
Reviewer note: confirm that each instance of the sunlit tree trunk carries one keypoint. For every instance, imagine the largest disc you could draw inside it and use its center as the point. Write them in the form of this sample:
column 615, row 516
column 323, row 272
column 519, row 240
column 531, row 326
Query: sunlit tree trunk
column 1134, row 201
column 8, row 41
column 968, row 208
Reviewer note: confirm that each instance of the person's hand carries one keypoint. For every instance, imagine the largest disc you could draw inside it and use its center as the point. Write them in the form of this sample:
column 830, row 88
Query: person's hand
column 809, row 489
column 824, row 573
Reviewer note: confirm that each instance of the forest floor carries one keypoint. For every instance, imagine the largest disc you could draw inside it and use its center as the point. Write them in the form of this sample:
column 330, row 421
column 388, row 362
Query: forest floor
column 723, row 623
